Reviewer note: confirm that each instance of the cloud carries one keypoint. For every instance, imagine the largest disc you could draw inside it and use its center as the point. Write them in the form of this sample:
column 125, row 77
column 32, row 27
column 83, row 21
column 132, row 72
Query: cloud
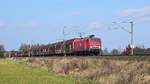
column 137, row 14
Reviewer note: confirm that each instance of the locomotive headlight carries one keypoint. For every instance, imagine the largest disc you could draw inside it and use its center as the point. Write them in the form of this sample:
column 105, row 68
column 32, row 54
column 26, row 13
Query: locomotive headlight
column 91, row 46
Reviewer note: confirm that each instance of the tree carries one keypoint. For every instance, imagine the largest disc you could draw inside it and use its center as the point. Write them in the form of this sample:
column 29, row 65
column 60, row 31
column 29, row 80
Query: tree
column 2, row 50
column 24, row 48
column 105, row 51
column 115, row 52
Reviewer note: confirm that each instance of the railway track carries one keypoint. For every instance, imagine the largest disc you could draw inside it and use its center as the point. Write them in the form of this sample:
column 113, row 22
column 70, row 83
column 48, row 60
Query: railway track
column 139, row 55
column 111, row 57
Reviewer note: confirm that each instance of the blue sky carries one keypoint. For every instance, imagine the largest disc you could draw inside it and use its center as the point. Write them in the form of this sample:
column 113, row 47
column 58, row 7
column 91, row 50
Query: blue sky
column 42, row 21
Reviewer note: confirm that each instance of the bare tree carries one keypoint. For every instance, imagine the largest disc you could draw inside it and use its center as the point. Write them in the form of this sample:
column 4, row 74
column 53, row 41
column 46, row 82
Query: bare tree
column 115, row 52
column 24, row 47
column 105, row 52
column 2, row 50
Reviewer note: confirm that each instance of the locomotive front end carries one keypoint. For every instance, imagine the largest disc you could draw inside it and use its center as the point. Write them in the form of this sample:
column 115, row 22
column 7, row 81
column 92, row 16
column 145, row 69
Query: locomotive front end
column 95, row 46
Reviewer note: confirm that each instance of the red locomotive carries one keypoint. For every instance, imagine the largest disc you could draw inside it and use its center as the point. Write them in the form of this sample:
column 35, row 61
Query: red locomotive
column 78, row 46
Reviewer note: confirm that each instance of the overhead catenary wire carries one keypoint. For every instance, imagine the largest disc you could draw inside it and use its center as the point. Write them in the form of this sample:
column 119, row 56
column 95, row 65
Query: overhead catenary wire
column 130, row 32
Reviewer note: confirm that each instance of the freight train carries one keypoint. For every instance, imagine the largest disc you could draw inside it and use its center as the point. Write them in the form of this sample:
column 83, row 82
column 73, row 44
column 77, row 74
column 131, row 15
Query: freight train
column 90, row 45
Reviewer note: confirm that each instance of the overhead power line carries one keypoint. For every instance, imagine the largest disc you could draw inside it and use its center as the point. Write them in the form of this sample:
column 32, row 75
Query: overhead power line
column 131, row 32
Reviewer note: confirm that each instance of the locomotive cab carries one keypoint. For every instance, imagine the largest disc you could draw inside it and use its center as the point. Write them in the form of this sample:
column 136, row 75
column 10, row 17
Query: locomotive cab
column 94, row 45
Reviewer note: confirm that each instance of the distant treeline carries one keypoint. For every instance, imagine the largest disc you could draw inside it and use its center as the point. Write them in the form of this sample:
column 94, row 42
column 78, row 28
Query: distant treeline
column 138, row 50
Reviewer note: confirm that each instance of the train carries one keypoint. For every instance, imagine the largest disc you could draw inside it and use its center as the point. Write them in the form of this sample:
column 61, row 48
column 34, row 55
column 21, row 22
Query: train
column 90, row 45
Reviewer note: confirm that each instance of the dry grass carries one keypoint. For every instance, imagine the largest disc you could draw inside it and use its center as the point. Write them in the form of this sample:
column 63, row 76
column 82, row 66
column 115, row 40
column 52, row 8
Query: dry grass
column 14, row 73
column 105, row 71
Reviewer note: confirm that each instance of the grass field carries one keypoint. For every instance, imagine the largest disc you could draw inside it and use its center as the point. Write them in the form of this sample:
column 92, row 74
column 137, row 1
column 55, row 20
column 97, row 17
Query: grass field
column 14, row 73
column 104, row 70
column 73, row 70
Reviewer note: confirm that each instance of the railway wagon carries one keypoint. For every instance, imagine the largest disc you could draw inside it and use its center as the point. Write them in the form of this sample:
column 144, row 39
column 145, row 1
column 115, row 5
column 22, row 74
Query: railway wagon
column 77, row 46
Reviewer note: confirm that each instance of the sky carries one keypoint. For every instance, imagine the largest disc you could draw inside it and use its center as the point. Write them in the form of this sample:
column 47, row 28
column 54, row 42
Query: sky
column 43, row 21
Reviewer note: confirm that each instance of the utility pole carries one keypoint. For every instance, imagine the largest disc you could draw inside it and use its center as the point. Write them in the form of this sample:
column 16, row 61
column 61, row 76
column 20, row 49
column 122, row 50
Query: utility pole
column 132, row 39
column 64, row 36
column 64, row 42
column 131, row 32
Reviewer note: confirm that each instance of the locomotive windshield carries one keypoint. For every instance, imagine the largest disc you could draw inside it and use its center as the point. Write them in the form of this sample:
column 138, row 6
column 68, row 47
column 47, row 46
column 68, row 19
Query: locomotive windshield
column 96, row 40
